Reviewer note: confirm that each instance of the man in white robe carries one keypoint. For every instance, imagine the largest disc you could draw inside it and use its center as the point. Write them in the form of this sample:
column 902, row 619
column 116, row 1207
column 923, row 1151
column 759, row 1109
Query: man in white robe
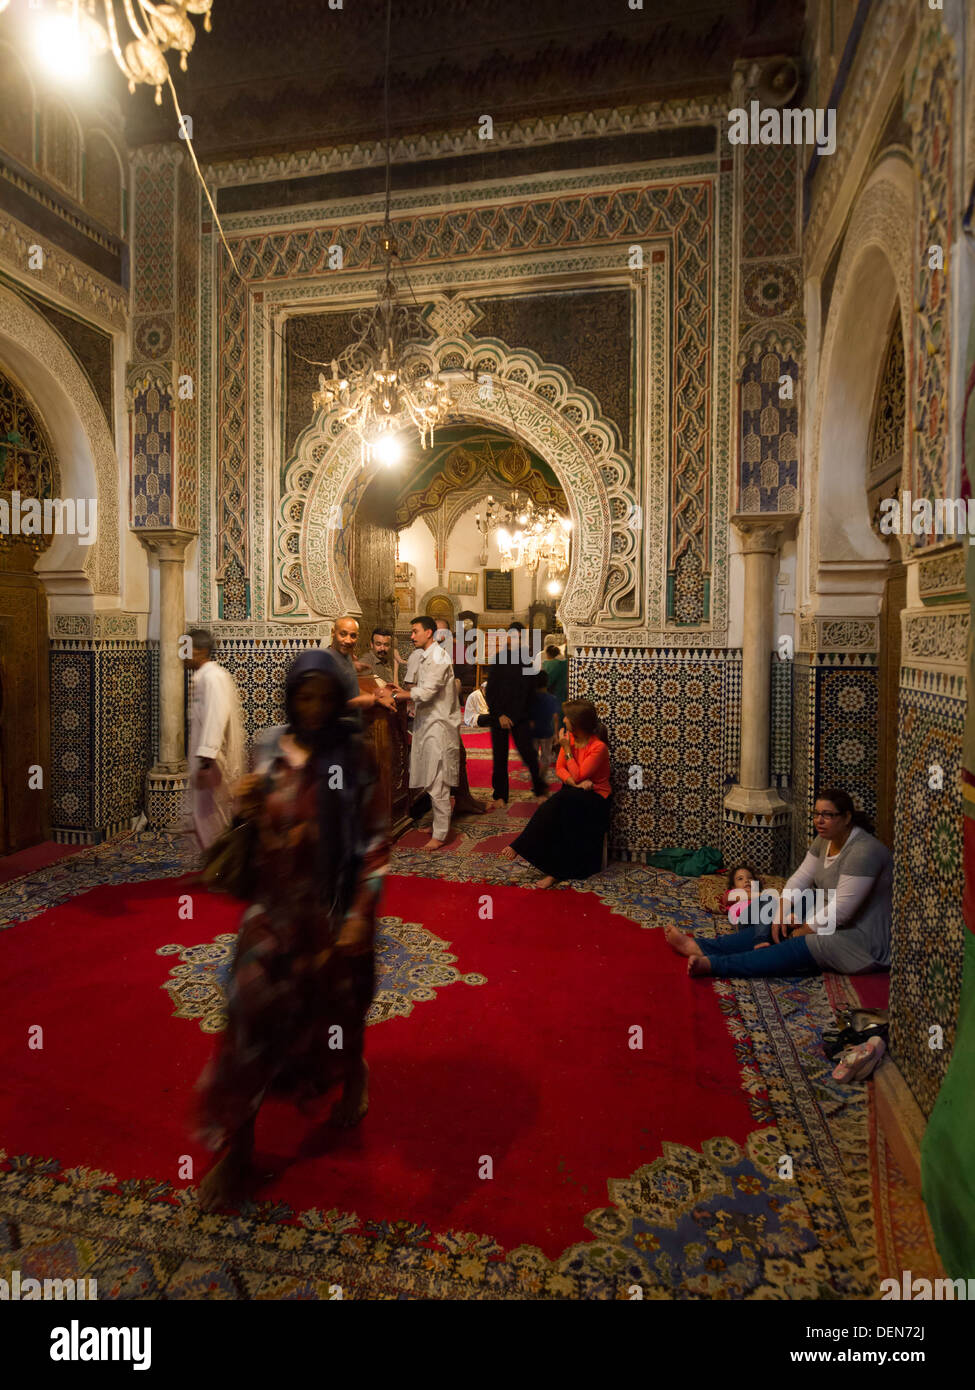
column 435, row 751
column 216, row 747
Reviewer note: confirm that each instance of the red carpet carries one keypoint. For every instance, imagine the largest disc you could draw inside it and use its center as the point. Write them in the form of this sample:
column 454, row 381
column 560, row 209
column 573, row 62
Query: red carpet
column 533, row 1068
column 27, row 861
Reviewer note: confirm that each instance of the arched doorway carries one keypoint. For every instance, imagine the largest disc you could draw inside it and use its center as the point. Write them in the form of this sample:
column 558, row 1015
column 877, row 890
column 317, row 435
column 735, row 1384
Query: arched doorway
column 858, row 457
column 28, row 472
column 541, row 410
column 422, row 513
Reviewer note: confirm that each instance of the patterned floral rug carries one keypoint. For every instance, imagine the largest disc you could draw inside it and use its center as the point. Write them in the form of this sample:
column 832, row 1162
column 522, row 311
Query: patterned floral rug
column 810, row 1206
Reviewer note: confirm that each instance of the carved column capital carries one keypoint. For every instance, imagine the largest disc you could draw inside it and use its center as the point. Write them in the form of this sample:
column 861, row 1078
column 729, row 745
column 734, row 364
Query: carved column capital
column 165, row 543
column 762, row 533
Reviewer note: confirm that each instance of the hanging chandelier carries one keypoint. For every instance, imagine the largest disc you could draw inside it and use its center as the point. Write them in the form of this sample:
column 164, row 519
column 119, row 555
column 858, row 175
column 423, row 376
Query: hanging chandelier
column 383, row 382
column 526, row 535
column 78, row 30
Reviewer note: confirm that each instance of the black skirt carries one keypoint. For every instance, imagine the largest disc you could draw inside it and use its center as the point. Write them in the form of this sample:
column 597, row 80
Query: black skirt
column 564, row 837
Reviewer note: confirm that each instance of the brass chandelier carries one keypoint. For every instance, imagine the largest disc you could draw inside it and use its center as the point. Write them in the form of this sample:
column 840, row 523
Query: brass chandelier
column 139, row 39
column 526, row 535
column 383, row 382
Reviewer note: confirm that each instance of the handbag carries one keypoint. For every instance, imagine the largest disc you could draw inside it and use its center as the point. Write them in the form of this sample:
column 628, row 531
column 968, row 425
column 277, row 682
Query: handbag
column 228, row 864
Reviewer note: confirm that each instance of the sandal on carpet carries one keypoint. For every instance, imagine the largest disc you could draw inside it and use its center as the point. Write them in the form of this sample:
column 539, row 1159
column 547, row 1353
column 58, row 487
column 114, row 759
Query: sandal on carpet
column 857, row 1063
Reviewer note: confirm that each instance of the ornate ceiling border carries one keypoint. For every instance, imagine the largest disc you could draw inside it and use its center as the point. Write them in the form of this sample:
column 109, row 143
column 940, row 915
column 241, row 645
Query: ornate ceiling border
column 61, row 277
column 579, row 125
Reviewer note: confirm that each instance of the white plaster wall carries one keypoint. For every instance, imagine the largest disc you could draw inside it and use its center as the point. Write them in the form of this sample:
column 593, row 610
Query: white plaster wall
column 463, row 553
column 191, row 582
column 417, row 548
column 785, row 595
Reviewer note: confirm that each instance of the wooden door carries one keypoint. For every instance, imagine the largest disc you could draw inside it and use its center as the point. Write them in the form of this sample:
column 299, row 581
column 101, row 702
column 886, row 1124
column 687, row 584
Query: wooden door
column 25, row 739
column 895, row 597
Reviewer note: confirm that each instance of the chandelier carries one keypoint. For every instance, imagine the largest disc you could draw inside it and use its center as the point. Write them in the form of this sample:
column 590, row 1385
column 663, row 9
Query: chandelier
column 526, row 535
column 383, row 382
column 85, row 29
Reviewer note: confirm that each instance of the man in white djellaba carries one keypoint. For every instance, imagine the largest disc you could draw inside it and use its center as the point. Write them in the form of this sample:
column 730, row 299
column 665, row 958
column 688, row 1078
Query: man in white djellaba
column 216, row 748
column 435, row 751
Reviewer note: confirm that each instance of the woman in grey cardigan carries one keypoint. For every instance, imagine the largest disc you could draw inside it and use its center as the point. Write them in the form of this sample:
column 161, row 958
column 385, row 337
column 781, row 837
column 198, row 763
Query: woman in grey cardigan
column 848, row 864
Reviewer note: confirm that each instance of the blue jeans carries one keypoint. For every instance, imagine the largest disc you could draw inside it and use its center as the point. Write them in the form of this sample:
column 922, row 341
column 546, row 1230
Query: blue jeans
column 734, row 955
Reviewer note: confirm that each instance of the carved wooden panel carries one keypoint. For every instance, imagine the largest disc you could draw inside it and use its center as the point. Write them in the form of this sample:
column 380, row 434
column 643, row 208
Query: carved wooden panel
column 372, row 564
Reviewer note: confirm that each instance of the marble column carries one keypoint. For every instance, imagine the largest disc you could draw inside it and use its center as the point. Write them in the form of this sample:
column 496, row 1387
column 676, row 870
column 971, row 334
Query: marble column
column 756, row 817
column 167, row 783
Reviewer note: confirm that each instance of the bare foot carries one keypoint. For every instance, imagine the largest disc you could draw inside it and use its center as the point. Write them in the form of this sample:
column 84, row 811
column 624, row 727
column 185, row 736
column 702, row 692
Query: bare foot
column 496, row 804
column 353, row 1103
column 508, row 853
column 226, row 1181
column 698, row 965
column 680, row 942
column 547, row 882
column 433, row 843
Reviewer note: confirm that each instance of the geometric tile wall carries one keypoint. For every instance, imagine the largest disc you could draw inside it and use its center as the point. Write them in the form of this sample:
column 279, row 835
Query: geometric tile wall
column 803, row 754
column 780, row 720
column 102, row 701
column 833, row 735
column 671, row 714
column 928, row 927
column 259, row 668
column 846, row 731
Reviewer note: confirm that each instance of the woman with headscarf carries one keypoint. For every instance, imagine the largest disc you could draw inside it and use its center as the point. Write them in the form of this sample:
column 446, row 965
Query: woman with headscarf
column 303, row 973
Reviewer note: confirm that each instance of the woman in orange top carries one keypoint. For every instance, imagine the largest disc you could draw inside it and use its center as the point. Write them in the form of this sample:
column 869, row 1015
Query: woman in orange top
column 564, row 838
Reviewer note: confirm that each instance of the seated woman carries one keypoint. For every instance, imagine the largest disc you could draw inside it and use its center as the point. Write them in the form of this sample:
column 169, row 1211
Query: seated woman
column 304, row 963
column 845, row 859
column 564, row 838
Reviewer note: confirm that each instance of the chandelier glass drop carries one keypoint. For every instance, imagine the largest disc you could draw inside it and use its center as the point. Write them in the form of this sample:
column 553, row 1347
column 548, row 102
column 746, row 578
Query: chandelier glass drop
column 527, row 535
column 138, row 38
column 384, row 382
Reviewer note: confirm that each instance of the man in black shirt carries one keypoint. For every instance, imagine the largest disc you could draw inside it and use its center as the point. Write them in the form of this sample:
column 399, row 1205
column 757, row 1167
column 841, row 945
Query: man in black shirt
column 509, row 695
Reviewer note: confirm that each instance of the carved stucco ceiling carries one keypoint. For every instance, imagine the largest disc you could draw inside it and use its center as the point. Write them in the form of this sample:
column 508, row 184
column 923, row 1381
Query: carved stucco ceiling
column 461, row 460
column 275, row 76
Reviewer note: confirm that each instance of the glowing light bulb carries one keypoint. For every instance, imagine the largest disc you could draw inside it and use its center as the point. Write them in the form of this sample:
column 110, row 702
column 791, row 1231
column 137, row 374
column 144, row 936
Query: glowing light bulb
column 554, row 587
column 387, row 449
column 62, row 46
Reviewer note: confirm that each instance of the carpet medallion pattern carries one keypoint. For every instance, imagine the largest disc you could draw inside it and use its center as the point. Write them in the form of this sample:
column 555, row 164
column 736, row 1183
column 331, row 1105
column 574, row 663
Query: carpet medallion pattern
column 713, row 1218
column 411, row 965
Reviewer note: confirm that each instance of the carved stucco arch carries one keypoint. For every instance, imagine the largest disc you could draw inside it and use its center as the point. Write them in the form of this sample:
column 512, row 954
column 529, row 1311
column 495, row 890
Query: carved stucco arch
column 534, row 402
column 874, row 275
column 80, row 435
